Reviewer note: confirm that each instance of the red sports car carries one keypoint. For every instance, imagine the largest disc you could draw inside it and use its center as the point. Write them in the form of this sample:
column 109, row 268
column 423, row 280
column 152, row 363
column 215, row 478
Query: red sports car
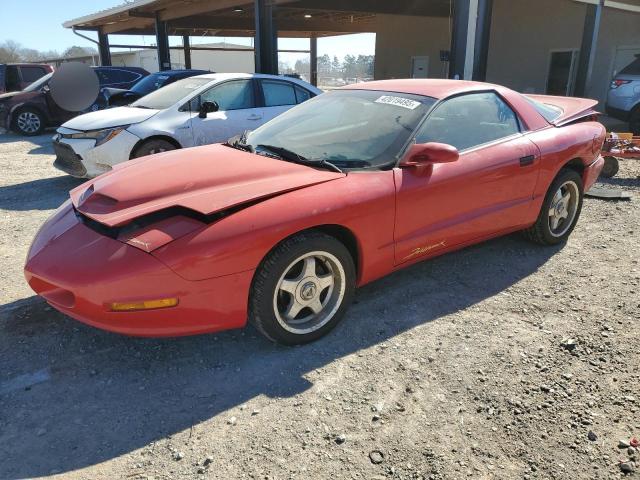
column 280, row 225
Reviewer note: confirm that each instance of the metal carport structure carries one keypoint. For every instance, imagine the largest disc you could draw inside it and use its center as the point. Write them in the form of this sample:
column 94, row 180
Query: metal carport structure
column 266, row 20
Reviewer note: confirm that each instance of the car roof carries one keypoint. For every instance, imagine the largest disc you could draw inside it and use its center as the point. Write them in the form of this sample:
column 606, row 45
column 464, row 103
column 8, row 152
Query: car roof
column 172, row 73
column 230, row 76
column 436, row 88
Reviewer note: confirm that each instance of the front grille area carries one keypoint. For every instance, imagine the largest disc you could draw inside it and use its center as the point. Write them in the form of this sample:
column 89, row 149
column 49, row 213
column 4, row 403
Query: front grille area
column 68, row 161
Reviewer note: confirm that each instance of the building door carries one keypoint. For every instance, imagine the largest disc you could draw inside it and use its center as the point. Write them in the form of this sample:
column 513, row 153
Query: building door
column 624, row 56
column 561, row 77
column 419, row 67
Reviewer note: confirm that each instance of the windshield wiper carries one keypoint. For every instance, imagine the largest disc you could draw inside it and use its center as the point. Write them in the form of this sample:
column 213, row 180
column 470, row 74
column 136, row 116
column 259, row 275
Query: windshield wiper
column 292, row 156
column 240, row 142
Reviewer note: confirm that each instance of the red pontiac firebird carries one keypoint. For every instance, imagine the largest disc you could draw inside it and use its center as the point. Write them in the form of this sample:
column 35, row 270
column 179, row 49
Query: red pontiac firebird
column 280, row 225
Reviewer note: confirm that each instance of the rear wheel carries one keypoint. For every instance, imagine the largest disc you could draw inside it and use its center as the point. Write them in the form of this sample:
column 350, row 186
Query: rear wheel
column 634, row 121
column 302, row 289
column 28, row 121
column 560, row 210
column 153, row 146
column 610, row 167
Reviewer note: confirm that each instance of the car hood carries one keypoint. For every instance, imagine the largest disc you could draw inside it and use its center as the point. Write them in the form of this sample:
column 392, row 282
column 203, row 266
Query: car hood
column 206, row 180
column 113, row 117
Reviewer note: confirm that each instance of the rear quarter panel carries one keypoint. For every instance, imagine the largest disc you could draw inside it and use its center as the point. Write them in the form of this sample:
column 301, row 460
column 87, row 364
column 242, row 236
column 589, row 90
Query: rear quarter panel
column 364, row 203
column 558, row 146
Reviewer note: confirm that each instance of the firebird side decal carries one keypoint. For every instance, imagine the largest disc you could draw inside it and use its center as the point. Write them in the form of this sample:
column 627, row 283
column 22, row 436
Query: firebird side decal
column 420, row 250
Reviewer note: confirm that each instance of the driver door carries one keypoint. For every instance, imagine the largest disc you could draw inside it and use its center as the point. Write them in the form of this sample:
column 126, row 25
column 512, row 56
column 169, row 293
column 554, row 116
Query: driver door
column 488, row 190
column 237, row 113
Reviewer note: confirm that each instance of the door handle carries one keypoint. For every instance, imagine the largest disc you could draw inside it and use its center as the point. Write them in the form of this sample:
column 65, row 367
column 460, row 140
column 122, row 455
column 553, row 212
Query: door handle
column 255, row 116
column 528, row 160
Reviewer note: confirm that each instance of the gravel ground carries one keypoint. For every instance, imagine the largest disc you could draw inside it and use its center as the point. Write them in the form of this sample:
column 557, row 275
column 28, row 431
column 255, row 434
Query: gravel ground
column 505, row 360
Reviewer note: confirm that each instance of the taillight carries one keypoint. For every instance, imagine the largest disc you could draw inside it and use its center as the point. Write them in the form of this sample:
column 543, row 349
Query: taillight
column 617, row 83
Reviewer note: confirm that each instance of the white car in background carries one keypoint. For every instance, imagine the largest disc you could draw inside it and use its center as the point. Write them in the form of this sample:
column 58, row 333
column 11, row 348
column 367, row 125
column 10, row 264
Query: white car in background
column 195, row 111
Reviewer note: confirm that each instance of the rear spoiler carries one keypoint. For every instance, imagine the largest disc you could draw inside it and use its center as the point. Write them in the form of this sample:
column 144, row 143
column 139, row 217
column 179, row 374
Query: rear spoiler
column 572, row 108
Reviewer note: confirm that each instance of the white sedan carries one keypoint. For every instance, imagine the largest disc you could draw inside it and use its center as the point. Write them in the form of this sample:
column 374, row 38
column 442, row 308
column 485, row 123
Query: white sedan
column 195, row 111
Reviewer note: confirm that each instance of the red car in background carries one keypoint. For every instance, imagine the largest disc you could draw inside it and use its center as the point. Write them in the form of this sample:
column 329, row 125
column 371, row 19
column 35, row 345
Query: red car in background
column 18, row 76
column 279, row 226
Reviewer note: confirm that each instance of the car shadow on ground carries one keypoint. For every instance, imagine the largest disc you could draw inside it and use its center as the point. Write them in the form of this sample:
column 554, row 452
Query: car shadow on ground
column 41, row 143
column 74, row 396
column 52, row 192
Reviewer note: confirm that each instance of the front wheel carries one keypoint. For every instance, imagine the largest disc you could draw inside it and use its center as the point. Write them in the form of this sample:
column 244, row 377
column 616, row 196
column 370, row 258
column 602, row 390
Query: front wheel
column 560, row 210
column 153, row 146
column 28, row 121
column 302, row 289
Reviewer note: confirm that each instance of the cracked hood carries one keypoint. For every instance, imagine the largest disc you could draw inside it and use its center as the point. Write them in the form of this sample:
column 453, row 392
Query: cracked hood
column 205, row 179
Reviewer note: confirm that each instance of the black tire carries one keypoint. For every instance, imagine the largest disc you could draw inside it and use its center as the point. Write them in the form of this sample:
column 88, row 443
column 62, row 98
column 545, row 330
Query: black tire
column 28, row 121
column 266, row 295
column 150, row 147
column 634, row 121
column 541, row 231
column 611, row 167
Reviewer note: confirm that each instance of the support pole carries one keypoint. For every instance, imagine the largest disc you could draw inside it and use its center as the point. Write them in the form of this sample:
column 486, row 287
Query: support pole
column 103, row 49
column 313, row 61
column 588, row 48
column 266, row 39
column 187, row 51
column 483, row 34
column 470, row 39
column 162, row 43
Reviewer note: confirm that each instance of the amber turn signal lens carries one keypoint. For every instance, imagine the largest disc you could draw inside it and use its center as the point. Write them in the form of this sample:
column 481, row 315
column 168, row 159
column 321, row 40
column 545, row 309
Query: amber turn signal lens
column 144, row 305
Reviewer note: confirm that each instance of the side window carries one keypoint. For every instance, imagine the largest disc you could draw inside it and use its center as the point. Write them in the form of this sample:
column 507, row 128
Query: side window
column 31, row 74
column 234, row 95
column 302, row 94
column 106, row 77
column 469, row 120
column 278, row 93
column 126, row 76
column 13, row 79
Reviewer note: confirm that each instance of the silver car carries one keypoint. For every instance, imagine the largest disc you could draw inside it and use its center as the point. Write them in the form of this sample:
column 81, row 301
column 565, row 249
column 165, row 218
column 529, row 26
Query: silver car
column 623, row 100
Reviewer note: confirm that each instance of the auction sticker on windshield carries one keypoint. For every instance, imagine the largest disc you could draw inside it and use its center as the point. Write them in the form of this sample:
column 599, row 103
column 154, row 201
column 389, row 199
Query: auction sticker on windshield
column 398, row 102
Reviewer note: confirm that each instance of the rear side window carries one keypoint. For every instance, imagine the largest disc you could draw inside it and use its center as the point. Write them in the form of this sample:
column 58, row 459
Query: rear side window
column 31, row 74
column 632, row 69
column 302, row 94
column 278, row 93
column 549, row 112
column 13, row 79
column 468, row 121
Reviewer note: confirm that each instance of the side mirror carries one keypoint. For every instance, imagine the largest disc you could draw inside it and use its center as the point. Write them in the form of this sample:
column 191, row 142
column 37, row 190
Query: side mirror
column 208, row 107
column 422, row 154
column 45, row 89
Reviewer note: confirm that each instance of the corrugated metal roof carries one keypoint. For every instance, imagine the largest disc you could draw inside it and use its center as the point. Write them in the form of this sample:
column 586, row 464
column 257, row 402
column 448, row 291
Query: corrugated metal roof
column 109, row 11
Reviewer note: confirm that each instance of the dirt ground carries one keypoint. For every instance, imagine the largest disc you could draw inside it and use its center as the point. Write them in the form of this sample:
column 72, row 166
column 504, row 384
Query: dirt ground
column 502, row 361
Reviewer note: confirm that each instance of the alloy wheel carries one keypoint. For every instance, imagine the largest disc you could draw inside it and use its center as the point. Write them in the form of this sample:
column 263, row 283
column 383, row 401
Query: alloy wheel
column 563, row 208
column 309, row 292
column 28, row 122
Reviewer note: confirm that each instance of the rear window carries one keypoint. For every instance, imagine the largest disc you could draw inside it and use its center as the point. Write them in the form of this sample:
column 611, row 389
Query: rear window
column 632, row 69
column 549, row 112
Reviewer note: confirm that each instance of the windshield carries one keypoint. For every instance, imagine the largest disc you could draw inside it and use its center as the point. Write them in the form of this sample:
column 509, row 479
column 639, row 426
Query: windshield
column 149, row 83
column 171, row 94
column 37, row 85
column 349, row 128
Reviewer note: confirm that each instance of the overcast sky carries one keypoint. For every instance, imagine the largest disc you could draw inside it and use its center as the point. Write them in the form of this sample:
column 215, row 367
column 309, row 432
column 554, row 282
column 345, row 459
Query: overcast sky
column 38, row 24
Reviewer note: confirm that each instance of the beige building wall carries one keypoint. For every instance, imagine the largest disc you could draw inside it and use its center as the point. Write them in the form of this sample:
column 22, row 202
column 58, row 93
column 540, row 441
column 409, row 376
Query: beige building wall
column 401, row 37
column 523, row 35
column 214, row 60
column 618, row 41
